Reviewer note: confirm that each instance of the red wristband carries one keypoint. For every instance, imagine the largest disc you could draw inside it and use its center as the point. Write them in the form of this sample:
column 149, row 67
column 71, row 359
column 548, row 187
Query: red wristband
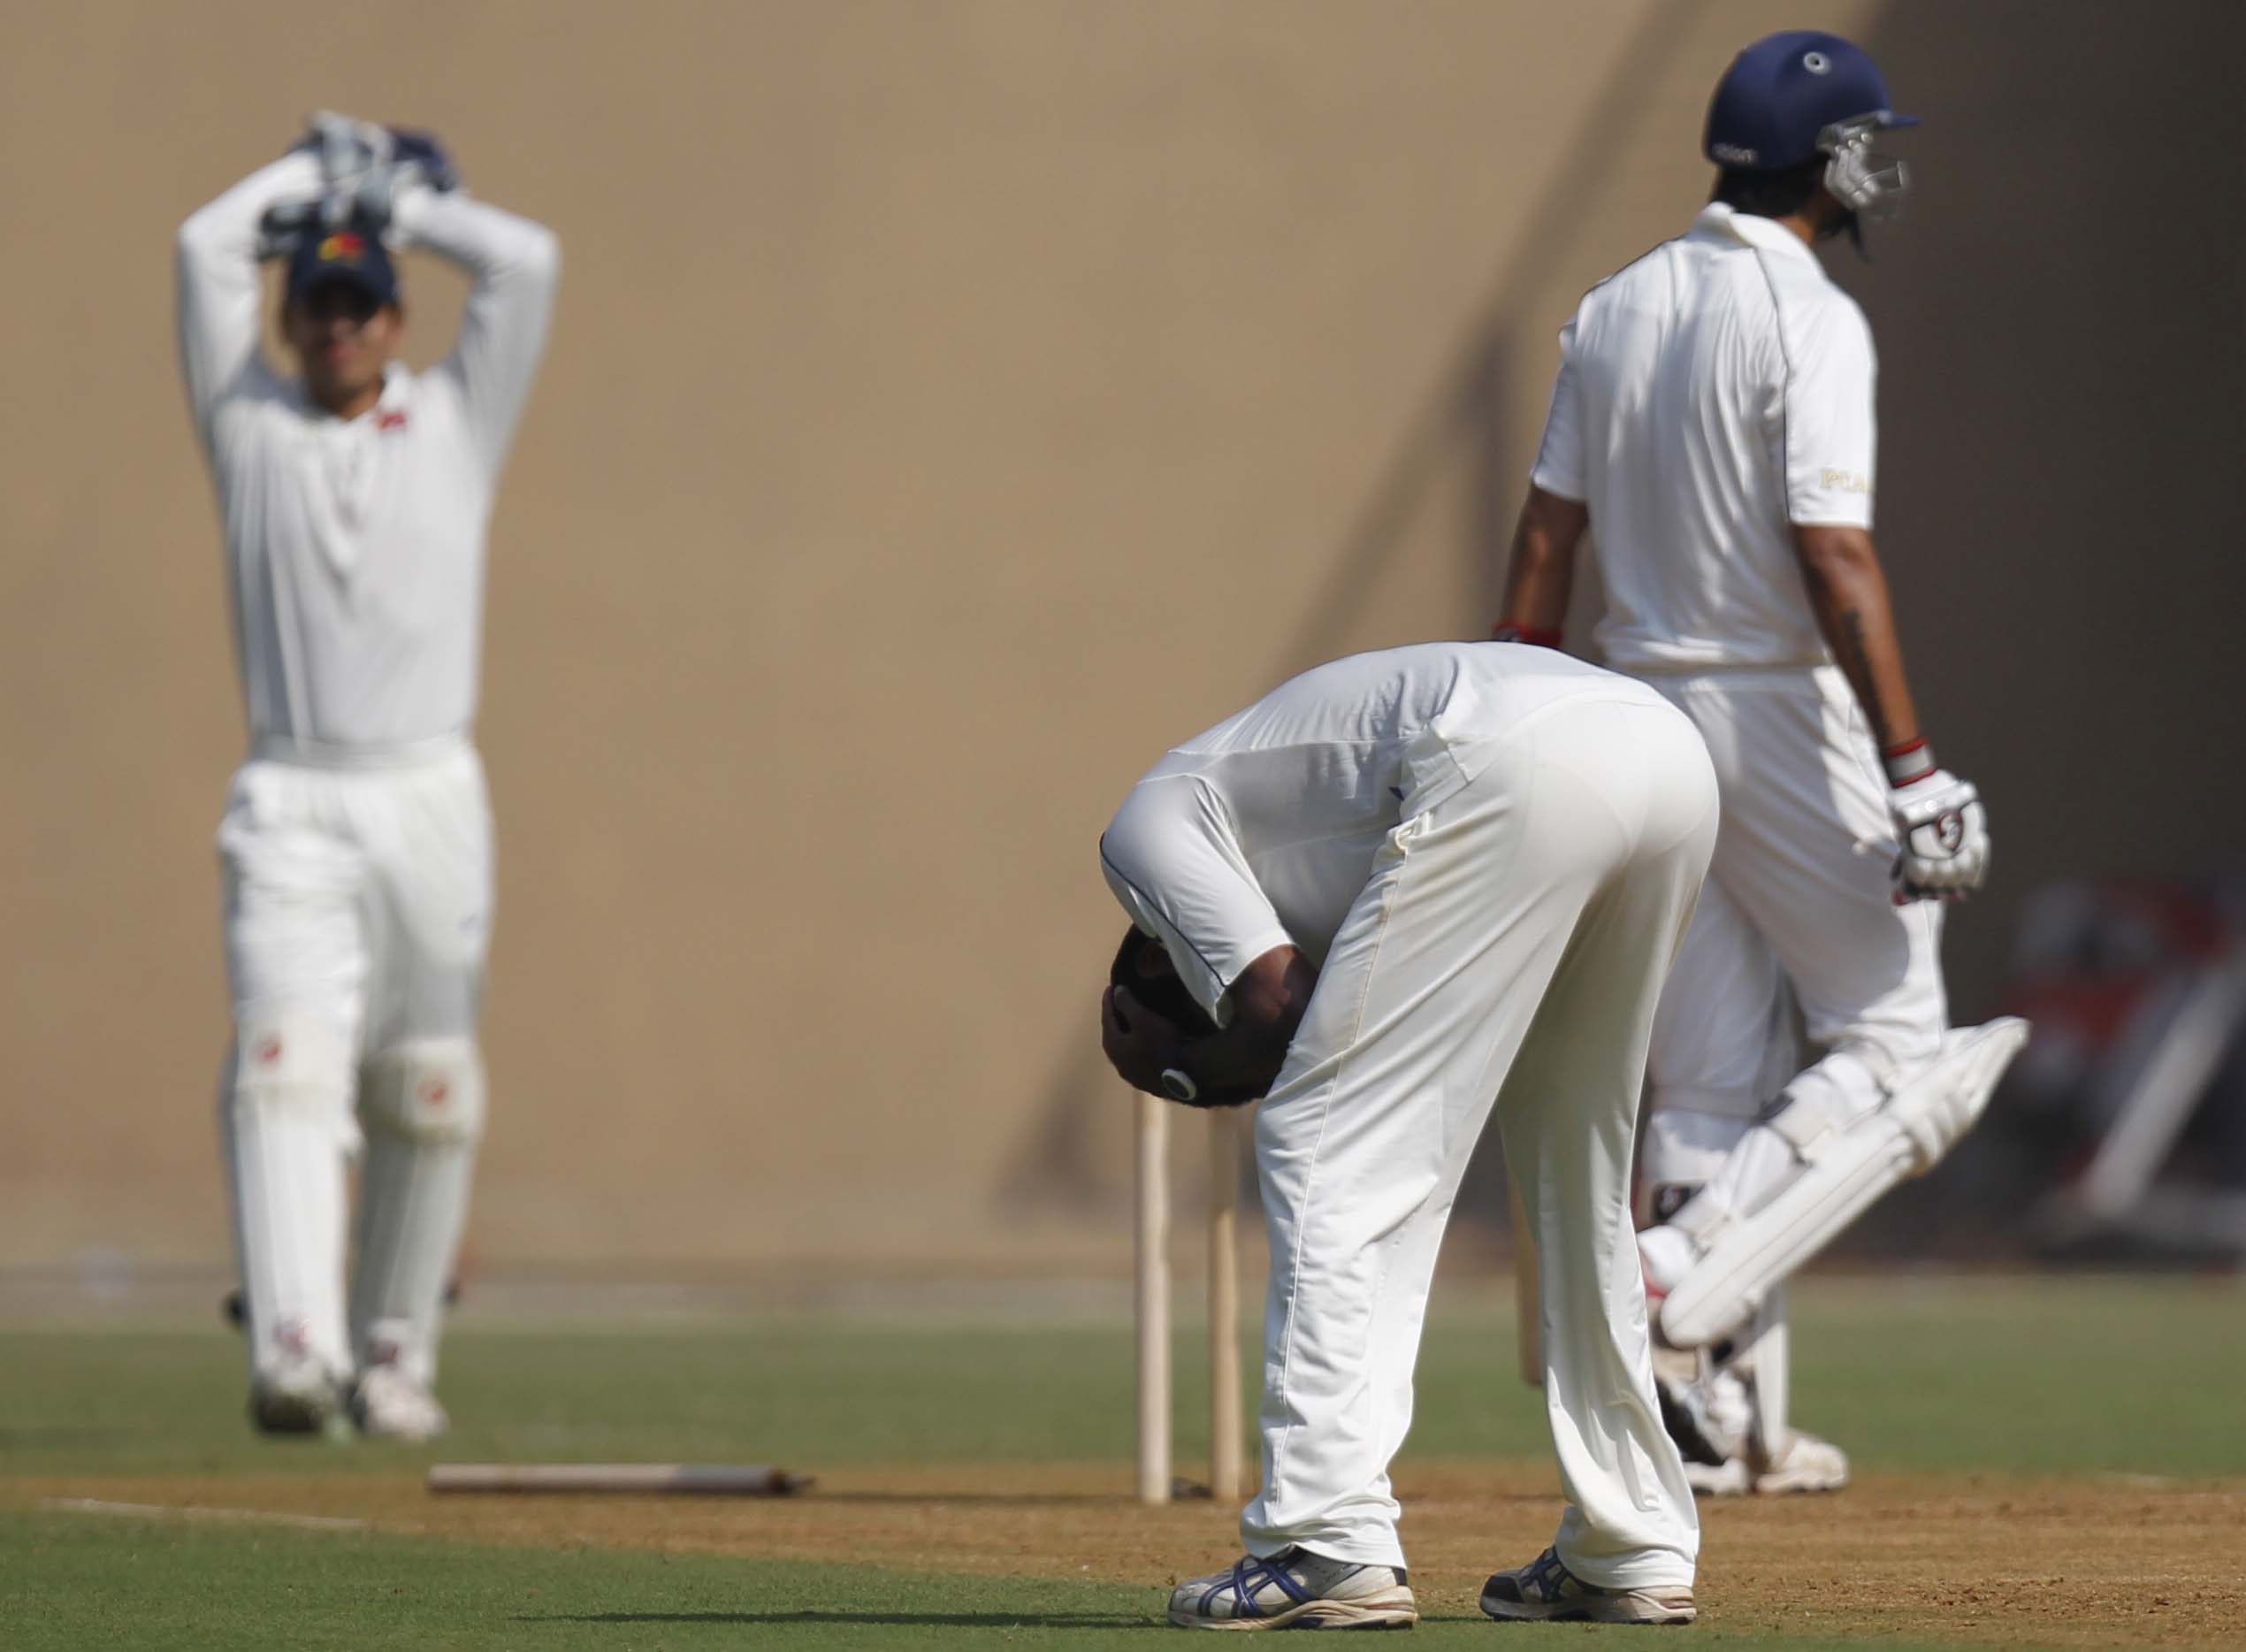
column 1907, row 763
column 1536, row 636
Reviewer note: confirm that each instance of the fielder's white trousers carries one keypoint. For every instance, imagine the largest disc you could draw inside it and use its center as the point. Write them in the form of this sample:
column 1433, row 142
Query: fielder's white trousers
column 1513, row 937
column 1797, row 902
column 358, row 900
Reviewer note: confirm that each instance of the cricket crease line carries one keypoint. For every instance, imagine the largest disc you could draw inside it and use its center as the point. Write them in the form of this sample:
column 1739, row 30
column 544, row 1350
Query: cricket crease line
column 189, row 1511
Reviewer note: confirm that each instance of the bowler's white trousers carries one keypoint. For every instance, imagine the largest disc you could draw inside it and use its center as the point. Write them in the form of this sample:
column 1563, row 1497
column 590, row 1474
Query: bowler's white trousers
column 1510, row 947
column 358, row 898
column 1798, row 903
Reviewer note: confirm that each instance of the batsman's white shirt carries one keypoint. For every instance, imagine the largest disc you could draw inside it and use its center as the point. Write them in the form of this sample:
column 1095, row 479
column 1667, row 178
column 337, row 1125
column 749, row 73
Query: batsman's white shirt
column 356, row 548
column 1712, row 395
column 1490, row 850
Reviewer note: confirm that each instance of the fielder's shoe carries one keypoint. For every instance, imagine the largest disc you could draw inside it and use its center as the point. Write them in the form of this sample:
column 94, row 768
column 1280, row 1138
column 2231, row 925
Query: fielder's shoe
column 298, row 1396
column 387, row 1405
column 1295, row 1589
column 1547, row 1592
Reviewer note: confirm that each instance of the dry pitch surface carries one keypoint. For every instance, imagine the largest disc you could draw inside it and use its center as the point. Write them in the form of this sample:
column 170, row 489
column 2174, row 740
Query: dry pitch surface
column 2027, row 1479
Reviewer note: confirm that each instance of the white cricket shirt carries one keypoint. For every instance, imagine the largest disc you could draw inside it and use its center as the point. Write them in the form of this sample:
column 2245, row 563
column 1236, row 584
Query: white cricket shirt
column 1262, row 832
column 355, row 548
column 1710, row 395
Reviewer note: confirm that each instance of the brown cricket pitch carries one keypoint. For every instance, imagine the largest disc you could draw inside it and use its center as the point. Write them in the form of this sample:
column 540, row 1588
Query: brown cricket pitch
column 1979, row 1560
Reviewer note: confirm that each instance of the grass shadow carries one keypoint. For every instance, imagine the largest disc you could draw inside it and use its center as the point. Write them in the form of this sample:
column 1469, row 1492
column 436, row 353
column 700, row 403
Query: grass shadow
column 956, row 1620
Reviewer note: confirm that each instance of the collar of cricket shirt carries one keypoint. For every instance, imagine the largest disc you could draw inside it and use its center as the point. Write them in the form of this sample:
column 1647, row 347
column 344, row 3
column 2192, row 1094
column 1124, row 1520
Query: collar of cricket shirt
column 1719, row 222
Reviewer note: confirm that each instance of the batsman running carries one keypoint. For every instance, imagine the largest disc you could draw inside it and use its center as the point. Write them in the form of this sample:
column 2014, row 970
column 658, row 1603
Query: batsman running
column 1399, row 889
column 356, row 844
column 1712, row 429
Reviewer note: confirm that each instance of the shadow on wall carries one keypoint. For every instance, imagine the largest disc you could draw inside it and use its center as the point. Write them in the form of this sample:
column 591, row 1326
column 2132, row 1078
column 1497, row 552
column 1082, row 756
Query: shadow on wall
column 2060, row 352
column 1468, row 415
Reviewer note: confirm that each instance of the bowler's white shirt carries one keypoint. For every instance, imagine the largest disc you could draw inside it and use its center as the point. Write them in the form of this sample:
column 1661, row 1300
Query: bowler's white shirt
column 1262, row 832
column 1711, row 395
column 355, row 548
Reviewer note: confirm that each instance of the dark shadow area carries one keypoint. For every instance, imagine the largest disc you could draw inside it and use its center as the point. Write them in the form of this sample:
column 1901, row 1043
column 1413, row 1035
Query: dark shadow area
column 2060, row 356
column 1465, row 415
column 938, row 1620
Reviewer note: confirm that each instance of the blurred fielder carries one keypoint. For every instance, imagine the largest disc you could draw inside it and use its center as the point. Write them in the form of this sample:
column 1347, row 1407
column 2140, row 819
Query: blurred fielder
column 1399, row 889
column 358, row 841
column 1712, row 428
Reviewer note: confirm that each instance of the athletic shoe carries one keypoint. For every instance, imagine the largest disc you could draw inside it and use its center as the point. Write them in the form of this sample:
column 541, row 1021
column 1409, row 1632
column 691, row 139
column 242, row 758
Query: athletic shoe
column 1547, row 1592
column 1295, row 1589
column 1810, row 1464
column 387, row 1405
column 295, row 1397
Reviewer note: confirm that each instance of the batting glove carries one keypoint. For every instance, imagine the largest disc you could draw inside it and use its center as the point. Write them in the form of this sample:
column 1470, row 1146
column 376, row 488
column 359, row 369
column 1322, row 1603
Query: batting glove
column 1940, row 824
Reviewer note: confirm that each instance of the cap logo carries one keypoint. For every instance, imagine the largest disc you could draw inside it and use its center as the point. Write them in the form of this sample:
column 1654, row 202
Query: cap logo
column 1816, row 62
column 344, row 245
column 1734, row 155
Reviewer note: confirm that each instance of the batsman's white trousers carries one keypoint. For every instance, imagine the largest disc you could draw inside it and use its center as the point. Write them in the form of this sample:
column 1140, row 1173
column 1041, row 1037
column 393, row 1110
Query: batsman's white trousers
column 1799, row 898
column 1510, row 947
column 358, row 900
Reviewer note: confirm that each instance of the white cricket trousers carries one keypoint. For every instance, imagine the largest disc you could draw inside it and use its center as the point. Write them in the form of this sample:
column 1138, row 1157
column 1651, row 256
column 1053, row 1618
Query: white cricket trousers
column 358, row 900
column 1508, row 949
column 1799, row 902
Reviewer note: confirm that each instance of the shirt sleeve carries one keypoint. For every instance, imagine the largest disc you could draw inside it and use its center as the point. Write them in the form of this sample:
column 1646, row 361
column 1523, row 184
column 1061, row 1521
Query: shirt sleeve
column 1171, row 860
column 220, row 294
column 1559, row 457
column 1830, row 434
column 516, row 266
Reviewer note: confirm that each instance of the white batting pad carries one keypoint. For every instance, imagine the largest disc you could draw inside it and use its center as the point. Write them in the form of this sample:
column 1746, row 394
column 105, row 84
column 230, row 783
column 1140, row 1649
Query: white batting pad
column 286, row 1130
column 1845, row 1172
column 424, row 1110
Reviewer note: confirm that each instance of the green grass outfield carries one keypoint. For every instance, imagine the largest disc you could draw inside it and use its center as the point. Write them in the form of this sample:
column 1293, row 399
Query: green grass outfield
column 1954, row 1378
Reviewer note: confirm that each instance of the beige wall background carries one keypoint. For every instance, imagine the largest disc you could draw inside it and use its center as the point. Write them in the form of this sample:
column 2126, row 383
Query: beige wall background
column 951, row 403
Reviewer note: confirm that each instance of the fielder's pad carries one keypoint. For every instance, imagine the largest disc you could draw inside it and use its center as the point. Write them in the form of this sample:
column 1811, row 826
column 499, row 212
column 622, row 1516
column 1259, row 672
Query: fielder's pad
column 1843, row 1174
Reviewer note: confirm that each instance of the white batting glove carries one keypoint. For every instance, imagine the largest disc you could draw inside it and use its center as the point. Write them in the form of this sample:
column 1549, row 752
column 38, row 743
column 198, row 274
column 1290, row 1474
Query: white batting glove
column 1941, row 825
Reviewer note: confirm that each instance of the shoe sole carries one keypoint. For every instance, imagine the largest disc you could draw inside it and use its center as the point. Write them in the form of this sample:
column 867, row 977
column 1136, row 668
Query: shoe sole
column 1375, row 1612
column 1636, row 1606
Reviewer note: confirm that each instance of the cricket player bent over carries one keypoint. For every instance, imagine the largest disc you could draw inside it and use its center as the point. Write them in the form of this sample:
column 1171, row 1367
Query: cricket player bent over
column 1713, row 429
column 356, row 844
column 1399, row 889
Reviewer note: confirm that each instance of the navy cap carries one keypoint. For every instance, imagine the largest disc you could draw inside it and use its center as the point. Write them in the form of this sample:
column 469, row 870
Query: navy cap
column 349, row 256
column 1782, row 92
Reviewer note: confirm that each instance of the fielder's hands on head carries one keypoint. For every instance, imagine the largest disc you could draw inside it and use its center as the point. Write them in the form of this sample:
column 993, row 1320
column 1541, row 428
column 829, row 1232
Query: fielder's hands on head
column 1945, row 834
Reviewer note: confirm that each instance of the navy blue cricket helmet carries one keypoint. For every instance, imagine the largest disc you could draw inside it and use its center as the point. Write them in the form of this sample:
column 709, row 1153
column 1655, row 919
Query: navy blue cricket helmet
column 1792, row 96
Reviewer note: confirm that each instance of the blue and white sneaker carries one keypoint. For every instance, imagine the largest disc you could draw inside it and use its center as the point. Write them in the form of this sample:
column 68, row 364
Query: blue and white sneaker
column 1545, row 1592
column 1295, row 1589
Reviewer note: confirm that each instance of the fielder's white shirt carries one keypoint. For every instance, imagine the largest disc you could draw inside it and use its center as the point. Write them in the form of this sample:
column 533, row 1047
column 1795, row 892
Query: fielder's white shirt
column 355, row 548
column 1710, row 395
column 1262, row 832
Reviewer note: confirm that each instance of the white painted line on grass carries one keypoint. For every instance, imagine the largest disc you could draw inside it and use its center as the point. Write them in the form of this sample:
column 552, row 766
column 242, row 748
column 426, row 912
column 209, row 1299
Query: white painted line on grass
column 189, row 1511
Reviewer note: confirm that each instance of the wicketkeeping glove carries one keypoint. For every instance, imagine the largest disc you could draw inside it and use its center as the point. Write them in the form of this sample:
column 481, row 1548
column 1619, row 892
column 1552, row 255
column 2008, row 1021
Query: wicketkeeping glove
column 1942, row 827
column 365, row 165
